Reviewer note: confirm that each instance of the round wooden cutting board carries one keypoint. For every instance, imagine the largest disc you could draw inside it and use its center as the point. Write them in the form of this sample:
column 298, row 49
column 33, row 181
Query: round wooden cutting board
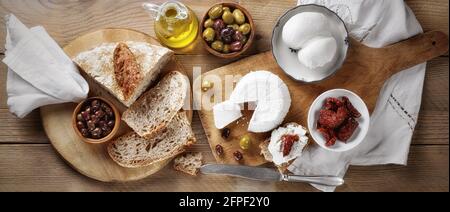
column 93, row 160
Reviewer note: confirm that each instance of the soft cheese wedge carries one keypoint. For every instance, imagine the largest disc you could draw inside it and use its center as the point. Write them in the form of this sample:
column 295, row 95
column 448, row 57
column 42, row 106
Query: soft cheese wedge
column 261, row 88
column 126, row 69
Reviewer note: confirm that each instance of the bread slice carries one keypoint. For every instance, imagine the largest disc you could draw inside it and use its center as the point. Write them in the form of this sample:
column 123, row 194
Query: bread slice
column 189, row 163
column 152, row 112
column 264, row 146
column 133, row 151
column 142, row 59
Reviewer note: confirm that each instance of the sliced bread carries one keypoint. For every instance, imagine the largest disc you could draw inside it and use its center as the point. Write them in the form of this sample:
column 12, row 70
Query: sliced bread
column 188, row 163
column 152, row 112
column 133, row 151
column 135, row 64
column 264, row 146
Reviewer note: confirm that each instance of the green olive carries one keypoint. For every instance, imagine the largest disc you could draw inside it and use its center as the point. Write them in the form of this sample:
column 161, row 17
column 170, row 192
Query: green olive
column 215, row 12
column 244, row 40
column 239, row 17
column 244, row 143
column 209, row 34
column 217, row 45
column 226, row 49
column 235, row 27
column 227, row 17
column 208, row 23
column 226, row 8
column 245, row 28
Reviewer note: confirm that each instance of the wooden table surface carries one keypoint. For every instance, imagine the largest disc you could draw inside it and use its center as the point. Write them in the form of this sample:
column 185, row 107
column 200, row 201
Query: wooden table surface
column 29, row 163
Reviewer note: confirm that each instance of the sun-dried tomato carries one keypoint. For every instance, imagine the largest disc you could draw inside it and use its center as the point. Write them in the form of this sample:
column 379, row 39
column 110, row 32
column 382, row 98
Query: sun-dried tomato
column 288, row 142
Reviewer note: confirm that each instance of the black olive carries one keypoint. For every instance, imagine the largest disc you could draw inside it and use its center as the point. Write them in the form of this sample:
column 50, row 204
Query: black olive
column 111, row 123
column 100, row 114
column 95, row 109
column 238, row 36
column 95, row 103
column 108, row 111
column 238, row 156
column 84, row 132
column 85, row 116
column 95, row 119
column 106, row 131
column 218, row 25
column 80, row 125
column 97, row 133
column 91, row 125
column 88, row 110
column 102, row 124
column 226, row 133
column 236, row 46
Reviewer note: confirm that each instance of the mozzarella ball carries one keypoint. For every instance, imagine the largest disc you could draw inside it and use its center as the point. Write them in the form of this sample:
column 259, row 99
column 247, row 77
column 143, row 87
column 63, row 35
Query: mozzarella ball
column 318, row 52
column 303, row 27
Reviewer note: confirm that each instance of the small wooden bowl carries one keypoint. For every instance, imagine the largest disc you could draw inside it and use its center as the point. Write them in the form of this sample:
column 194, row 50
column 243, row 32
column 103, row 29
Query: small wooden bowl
column 101, row 140
column 247, row 45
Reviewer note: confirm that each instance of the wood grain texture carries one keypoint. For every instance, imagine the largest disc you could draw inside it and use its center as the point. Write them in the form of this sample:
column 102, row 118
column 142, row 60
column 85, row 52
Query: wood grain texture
column 43, row 170
column 69, row 19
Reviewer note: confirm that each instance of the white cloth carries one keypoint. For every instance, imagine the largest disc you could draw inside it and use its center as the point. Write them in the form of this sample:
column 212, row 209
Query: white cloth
column 39, row 72
column 376, row 23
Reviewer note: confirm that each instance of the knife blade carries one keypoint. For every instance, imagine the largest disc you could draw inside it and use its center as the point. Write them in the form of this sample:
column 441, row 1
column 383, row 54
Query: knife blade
column 267, row 174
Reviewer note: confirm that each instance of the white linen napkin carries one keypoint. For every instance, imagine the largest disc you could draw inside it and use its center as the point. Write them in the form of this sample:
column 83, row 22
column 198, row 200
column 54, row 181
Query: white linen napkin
column 39, row 72
column 375, row 23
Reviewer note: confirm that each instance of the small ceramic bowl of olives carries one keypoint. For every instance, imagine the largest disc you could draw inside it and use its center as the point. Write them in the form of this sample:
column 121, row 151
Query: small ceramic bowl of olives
column 227, row 30
column 96, row 120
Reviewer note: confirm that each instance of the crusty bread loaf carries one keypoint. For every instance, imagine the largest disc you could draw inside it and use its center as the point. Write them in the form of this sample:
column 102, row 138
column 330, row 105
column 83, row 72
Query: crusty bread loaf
column 99, row 63
column 133, row 151
column 188, row 163
column 151, row 113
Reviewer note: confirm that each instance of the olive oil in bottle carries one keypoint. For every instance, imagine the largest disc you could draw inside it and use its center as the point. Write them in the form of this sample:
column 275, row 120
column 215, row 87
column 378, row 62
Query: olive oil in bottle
column 176, row 26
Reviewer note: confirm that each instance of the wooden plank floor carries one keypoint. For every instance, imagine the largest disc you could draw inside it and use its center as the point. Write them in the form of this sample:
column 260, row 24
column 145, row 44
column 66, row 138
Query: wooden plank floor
column 29, row 163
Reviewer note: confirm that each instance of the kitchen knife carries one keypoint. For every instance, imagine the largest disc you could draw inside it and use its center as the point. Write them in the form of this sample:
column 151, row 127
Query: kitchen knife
column 268, row 174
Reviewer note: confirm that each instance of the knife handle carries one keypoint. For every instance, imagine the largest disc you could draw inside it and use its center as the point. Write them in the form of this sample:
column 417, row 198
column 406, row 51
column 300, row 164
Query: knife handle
column 320, row 180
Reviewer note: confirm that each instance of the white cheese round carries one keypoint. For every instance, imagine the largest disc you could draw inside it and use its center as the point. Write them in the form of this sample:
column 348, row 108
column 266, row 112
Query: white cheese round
column 226, row 113
column 318, row 52
column 270, row 95
column 302, row 27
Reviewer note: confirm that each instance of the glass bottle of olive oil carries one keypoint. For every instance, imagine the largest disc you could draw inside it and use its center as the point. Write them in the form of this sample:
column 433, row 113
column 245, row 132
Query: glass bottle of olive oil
column 176, row 26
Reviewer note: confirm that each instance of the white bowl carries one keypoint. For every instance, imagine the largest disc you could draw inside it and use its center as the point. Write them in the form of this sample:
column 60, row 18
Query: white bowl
column 288, row 59
column 359, row 134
